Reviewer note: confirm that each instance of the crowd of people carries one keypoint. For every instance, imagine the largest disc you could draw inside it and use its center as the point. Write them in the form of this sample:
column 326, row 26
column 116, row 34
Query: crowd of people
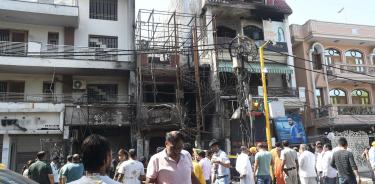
column 179, row 163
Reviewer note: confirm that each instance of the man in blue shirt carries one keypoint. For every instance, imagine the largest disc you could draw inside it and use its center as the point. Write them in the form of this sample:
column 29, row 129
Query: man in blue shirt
column 73, row 171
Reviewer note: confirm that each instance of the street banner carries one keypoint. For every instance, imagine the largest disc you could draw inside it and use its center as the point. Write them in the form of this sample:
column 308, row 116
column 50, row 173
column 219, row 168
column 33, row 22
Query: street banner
column 290, row 128
column 275, row 31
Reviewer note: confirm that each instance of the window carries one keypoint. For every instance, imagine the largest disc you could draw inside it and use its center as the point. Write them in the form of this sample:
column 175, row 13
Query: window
column 317, row 60
column 223, row 31
column 103, row 9
column 160, row 93
column 338, row 96
column 360, row 96
column 354, row 57
column 253, row 32
column 48, row 88
column 103, row 41
column 319, row 96
column 53, row 38
column 102, row 93
column 332, row 56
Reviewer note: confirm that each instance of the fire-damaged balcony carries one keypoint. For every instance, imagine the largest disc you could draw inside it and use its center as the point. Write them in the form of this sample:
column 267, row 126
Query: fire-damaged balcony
column 162, row 116
column 343, row 115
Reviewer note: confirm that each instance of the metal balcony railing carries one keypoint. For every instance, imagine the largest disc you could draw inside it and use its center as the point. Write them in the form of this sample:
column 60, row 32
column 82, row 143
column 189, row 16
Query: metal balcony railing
column 65, row 98
column 340, row 68
column 53, row 2
column 344, row 109
column 35, row 49
column 271, row 91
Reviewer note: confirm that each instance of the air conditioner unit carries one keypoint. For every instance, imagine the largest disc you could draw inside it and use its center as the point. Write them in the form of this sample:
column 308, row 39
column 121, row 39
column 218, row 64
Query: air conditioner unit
column 79, row 84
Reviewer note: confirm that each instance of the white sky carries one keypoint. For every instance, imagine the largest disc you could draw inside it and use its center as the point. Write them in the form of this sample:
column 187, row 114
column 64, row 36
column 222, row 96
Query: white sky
column 356, row 11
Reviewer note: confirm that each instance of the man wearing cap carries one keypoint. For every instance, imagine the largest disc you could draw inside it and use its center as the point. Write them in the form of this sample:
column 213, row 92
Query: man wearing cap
column 221, row 163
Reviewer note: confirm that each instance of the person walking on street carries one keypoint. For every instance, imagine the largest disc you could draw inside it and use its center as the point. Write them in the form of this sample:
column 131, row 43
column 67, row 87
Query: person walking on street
column 319, row 152
column 25, row 170
column 329, row 173
column 343, row 161
column 306, row 162
column 221, row 163
column 289, row 163
column 55, row 169
column 198, row 172
column 122, row 157
column 263, row 163
column 371, row 160
column 244, row 167
column 277, row 169
column 172, row 165
column 41, row 171
column 96, row 158
column 205, row 164
column 72, row 171
column 131, row 171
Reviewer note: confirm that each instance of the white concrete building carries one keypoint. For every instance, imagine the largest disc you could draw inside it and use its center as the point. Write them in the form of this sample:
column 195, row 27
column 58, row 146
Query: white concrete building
column 66, row 71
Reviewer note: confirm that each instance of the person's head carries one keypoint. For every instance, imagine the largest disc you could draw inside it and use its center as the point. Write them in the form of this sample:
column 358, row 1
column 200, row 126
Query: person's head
column 327, row 147
column 29, row 163
column 253, row 150
column 319, row 148
column 245, row 150
column 262, row 146
column 214, row 145
column 143, row 159
column 69, row 158
column 122, row 155
column 96, row 154
column 209, row 154
column 41, row 155
column 76, row 158
column 343, row 142
column 318, row 143
column 373, row 144
column 278, row 146
column 132, row 154
column 290, row 121
column 201, row 155
column 303, row 147
column 174, row 142
column 55, row 159
column 285, row 143
column 159, row 149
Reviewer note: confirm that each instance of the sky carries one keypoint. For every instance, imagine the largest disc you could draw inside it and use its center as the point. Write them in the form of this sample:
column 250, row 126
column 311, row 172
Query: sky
column 355, row 11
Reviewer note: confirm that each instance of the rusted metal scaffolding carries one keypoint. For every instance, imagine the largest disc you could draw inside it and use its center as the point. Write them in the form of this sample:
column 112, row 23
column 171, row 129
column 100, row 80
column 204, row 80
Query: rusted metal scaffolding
column 175, row 39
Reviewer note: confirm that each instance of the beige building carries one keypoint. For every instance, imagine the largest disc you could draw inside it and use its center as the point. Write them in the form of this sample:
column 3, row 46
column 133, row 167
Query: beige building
column 339, row 77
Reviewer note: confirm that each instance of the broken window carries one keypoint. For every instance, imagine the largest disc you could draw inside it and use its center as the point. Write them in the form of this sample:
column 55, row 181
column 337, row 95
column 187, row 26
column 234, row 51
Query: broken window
column 253, row 32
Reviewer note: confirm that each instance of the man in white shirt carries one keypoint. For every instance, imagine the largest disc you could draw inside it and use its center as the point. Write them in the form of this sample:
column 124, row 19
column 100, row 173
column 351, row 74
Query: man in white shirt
column 131, row 171
column 289, row 163
column 319, row 156
column 55, row 169
column 306, row 162
column 243, row 166
column 329, row 174
column 220, row 162
column 205, row 164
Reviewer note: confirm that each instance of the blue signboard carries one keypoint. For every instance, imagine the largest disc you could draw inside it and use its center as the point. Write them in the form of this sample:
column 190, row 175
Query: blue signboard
column 290, row 128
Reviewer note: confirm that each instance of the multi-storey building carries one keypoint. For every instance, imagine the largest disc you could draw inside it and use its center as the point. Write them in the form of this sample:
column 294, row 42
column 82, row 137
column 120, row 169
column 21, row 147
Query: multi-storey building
column 339, row 76
column 256, row 19
column 66, row 71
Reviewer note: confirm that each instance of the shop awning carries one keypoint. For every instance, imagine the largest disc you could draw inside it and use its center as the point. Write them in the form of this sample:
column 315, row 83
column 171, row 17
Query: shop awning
column 225, row 66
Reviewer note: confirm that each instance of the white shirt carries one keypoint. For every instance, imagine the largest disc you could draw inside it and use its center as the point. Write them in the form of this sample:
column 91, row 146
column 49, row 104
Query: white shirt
column 290, row 157
column 95, row 179
column 55, row 172
column 205, row 164
column 131, row 169
column 371, row 156
column 306, row 163
column 328, row 170
column 319, row 157
column 222, row 157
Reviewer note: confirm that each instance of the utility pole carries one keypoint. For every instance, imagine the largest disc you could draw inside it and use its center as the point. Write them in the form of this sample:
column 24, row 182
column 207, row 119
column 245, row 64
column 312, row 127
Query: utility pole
column 265, row 97
column 198, row 96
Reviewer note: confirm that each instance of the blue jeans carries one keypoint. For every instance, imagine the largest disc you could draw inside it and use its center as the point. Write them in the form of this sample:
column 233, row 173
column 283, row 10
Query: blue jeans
column 264, row 179
column 224, row 180
column 347, row 180
column 329, row 180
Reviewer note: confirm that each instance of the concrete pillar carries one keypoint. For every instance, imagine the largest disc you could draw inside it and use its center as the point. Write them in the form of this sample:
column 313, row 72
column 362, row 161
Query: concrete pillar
column 6, row 151
column 290, row 61
column 140, row 146
column 147, row 147
column 132, row 86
